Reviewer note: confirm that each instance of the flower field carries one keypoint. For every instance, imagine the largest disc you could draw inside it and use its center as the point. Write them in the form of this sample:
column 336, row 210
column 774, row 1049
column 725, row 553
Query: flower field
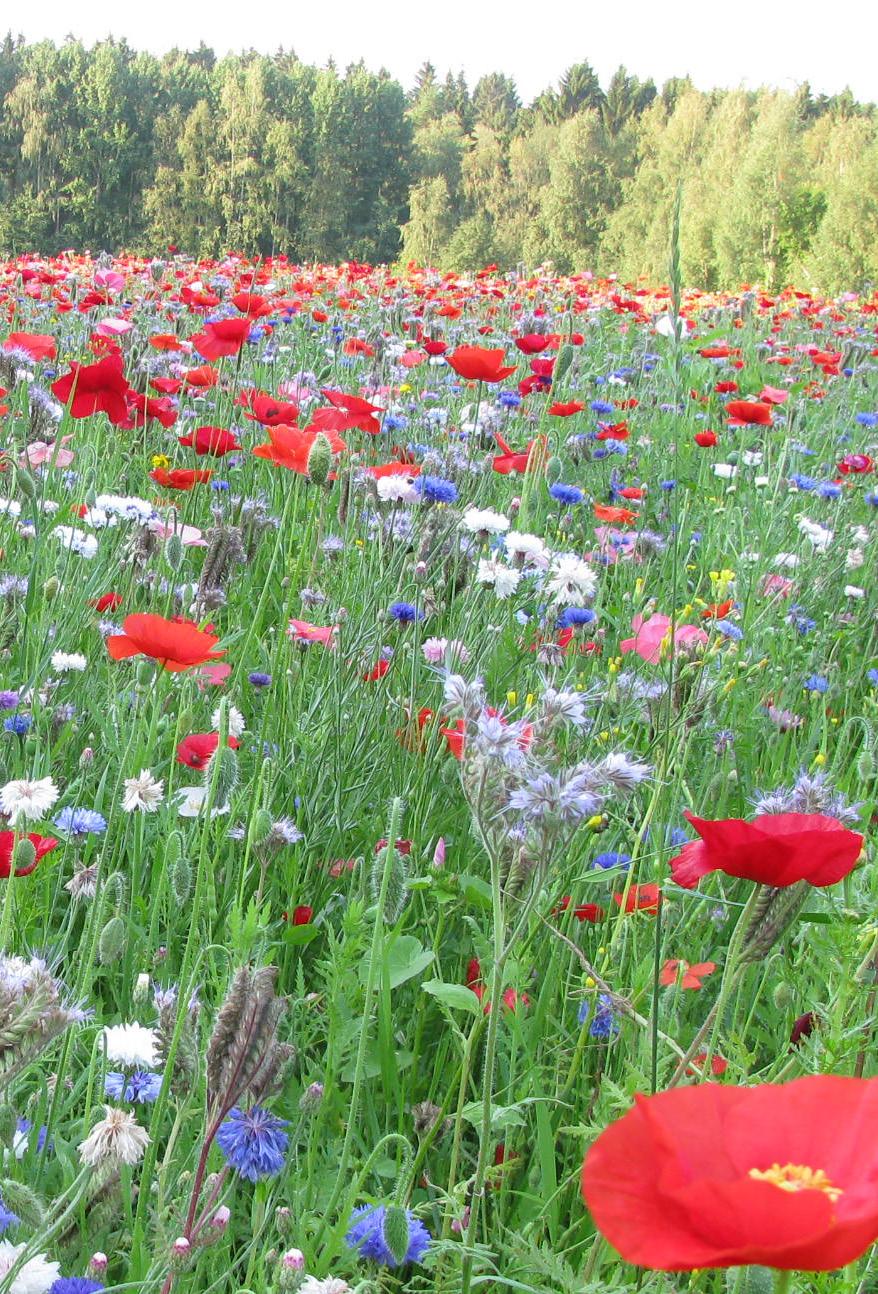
column 435, row 711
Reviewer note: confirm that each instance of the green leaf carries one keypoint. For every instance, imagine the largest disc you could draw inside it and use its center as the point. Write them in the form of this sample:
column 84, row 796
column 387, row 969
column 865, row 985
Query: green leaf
column 456, row 997
column 404, row 958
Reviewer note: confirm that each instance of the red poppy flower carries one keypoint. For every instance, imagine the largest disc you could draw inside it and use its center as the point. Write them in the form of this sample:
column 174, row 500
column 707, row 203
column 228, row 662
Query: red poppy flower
column 589, row 912
column 348, row 412
column 225, row 337
column 725, row 388
column 691, row 976
column 301, row 916
column 39, row 345
column 613, row 431
column 202, row 377
column 718, row 610
column 705, row 439
column 252, row 304
column 268, row 411
column 779, row 1176
column 615, row 516
column 532, row 344
column 640, row 898
column 168, row 341
column 195, row 750
column 107, row 602
column 856, row 463
column 743, row 413
column 378, row 670
column 566, row 410
column 775, row 849
column 95, row 388
column 721, row 351
column 175, row 644
column 393, row 469
column 181, row 478
column 435, row 347
column 42, row 845
column 718, row 1065
column 478, row 364
column 211, row 440
column 290, row 447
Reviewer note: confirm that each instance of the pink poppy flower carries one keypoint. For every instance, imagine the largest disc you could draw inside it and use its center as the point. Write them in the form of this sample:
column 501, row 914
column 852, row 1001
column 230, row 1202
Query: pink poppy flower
column 303, row 632
column 651, row 635
column 39, row 453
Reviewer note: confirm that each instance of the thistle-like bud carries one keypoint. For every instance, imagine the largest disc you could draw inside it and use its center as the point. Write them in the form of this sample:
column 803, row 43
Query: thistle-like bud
column 782, row 995
column 774, row 913
column 23, row 1202
column 865, row 765
column 244, row 1055
column 562, row 364
column 396, row 1232
column 222, row 773
column 311, row 1098
column 260, row 826
column 390, row 860
column 180, row 873
column 98, row 1264
column 111, row 943
column 319, row 460
column 554, row 468
column 25, row 484
column 173, row 849
column 8, row 1125
column 51, row 588
column 174, row 552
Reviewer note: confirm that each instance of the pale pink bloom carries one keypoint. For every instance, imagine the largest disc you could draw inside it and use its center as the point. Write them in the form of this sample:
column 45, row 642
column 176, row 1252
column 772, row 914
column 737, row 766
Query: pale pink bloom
column 190, row 536
column 39, row 452
column 652, row 634
column 773, row 395
column 776, row 586
column 114, row 327
column 110, row 279
column 214, row 675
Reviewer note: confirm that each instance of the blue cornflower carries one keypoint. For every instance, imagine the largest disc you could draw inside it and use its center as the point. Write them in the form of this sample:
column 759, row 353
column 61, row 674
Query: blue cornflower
column 140, row 1086
column 801, row 623
column 872, row 676
column 253, row 1142
column 802, row 482
column 367, row 1235
column 677, row 837
column 566, row 494
column 611, row 859
column 867, row 419
column 829, row 490
column 728, row 630
column 7, row 1218
column 394, row 422
column 80, row 822
column 17, row 723
column 23, row 1129
column 436, row 489
column 600, row 406
column 816, row 683
column 508, row 400
column 668, row 485
column 872, row 498
column 75, row 1285
column 219, row 485
column 617, row 447
column 405, row 612
column 9, row 700
column 574, row 617
column 259, row 679
column 604, row 1023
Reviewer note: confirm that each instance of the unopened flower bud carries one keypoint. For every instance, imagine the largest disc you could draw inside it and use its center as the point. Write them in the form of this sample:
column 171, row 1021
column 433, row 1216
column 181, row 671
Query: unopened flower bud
column 141, row 987
column 220, row 1219
column 97, row 1264
column 310, row 1098
column 439, row 853
column 319, row 460
column 87, row 756
column 180, row 1251
column 283, row 1220
column 420, row 572
column 293, row 1260
column 51, row 588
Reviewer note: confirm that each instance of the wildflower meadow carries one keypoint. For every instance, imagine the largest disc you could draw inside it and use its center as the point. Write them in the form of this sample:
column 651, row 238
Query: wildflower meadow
column 437, row 772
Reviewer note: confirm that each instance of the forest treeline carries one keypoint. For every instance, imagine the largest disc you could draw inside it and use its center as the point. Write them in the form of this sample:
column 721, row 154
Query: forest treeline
column 110, row 148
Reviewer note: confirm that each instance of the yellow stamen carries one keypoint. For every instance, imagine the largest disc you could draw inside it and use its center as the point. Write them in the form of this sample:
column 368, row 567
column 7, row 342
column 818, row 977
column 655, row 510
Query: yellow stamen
column 797, row 1177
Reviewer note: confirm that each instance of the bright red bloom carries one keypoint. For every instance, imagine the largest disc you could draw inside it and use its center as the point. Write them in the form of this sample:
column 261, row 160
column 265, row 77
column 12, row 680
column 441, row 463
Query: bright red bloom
column 143, row 408
column 107, row 602
column 613, row 431
column 706, row 439
column 566, row 410
column 42, row 845
column 721, row 351
column 95, row 388
column 393, row 469
column 252, row 304
column 691, row 976
column 743, row 413
column 168, row 341
column 202, row 377
column 478, row 364
column 725, row 388
column 303, row 632
column 211, row 440
column 589, row 912
column 616, row 516
column 856, row 463
column 175, row 644
column 433, row 347
column 532, row 344
column 301, row 915
column 181, row 478
column 195, row 750
column 718, row 610
column 39, row 345
column 225, row 337
column 718, row 1065
column 378, row 670
column 780, row 1175
column 347, row 412
column 290, row 447
column 267, row 410
column 640, row 898
column 776, row 849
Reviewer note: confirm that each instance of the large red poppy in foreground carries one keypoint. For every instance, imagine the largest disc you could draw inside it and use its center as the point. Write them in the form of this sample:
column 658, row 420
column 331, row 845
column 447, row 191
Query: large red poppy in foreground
column 175, row 644
column 478, row 364
column 776, row 849
column 781, row 1175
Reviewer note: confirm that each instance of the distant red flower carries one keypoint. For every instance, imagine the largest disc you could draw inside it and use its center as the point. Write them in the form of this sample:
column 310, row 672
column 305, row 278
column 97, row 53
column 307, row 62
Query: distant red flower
column 303, row 632
column 211, row 440
column 691, row 976
column 803, row 1027
column 859, row 464
column 176, row 644
column 348, row 413
column 725, row 388
column 181, row 478
column 39, row 345
column 95, row 388
column 223, row 338
column 566, row 410
column 613, row 431
column 290, row 447
column 378, row 670
column 42, row 845
column 143, row 409
column 433, row 347
column 195, row 750
column 532, row 344
column 301, row 916
column 640, row 898
column 589, row 912
column 616, row 516
column 705, row 439
column 252, row 304
column 720, row 351
column 478, row 364
column 718, row 1065
column 202, row 377
column 107, row 602
column 744, row 413
column 776, row 1175
column 268, row 411
column 717, row 610
column 776, row 849
column 393, row 469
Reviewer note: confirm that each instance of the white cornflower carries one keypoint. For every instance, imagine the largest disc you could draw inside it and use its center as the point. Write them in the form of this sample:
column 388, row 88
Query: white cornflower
column 191, row 800
column 116, row 1139
column 396, row 489
column 64, row 662
column 328, row 1285
column 235, row 720
column 25, row 801
column 530, row 549
column 854, row 591
column 819, row 537
column 786, row 561
column 11, row 507
column 484, row 519
column 131, row 1044
column 503, row 579
column 572, row 582
column 144, row 792
column 76, row 540
column 36, row 1276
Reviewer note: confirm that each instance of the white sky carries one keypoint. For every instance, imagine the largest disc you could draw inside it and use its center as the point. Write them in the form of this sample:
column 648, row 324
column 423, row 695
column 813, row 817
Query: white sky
column 719, row 43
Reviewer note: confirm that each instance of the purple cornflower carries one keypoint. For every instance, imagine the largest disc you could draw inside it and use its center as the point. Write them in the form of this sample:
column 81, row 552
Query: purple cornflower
column 258, row 679
column 367, row 1235
column 253, row 1142
column 9, row 700
column 816, row 683
column 75, row 1285
column 604, row 1022
column 17, row 723
column 436, row 489
column 566, row 494
column 140, row 1087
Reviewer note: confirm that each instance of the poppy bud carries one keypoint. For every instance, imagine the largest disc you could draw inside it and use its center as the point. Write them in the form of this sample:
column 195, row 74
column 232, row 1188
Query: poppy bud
column 181, row 880
column 8, row 1124
column 554, row 468
column 260, row 826
column 562, row 363
column 111, row 943
column 25, row 484
column 24, row 857
column 865, row 765
column 24, row 1203
column 173, row 849
column 51, row 588
column 174, row 552
column 396, row 1232
column 224, row 767
column 319, row 460
column 782, row 995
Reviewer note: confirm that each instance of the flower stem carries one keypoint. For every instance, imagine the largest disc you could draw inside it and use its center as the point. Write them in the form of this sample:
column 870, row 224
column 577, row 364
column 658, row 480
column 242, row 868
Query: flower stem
column 782, row 1282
